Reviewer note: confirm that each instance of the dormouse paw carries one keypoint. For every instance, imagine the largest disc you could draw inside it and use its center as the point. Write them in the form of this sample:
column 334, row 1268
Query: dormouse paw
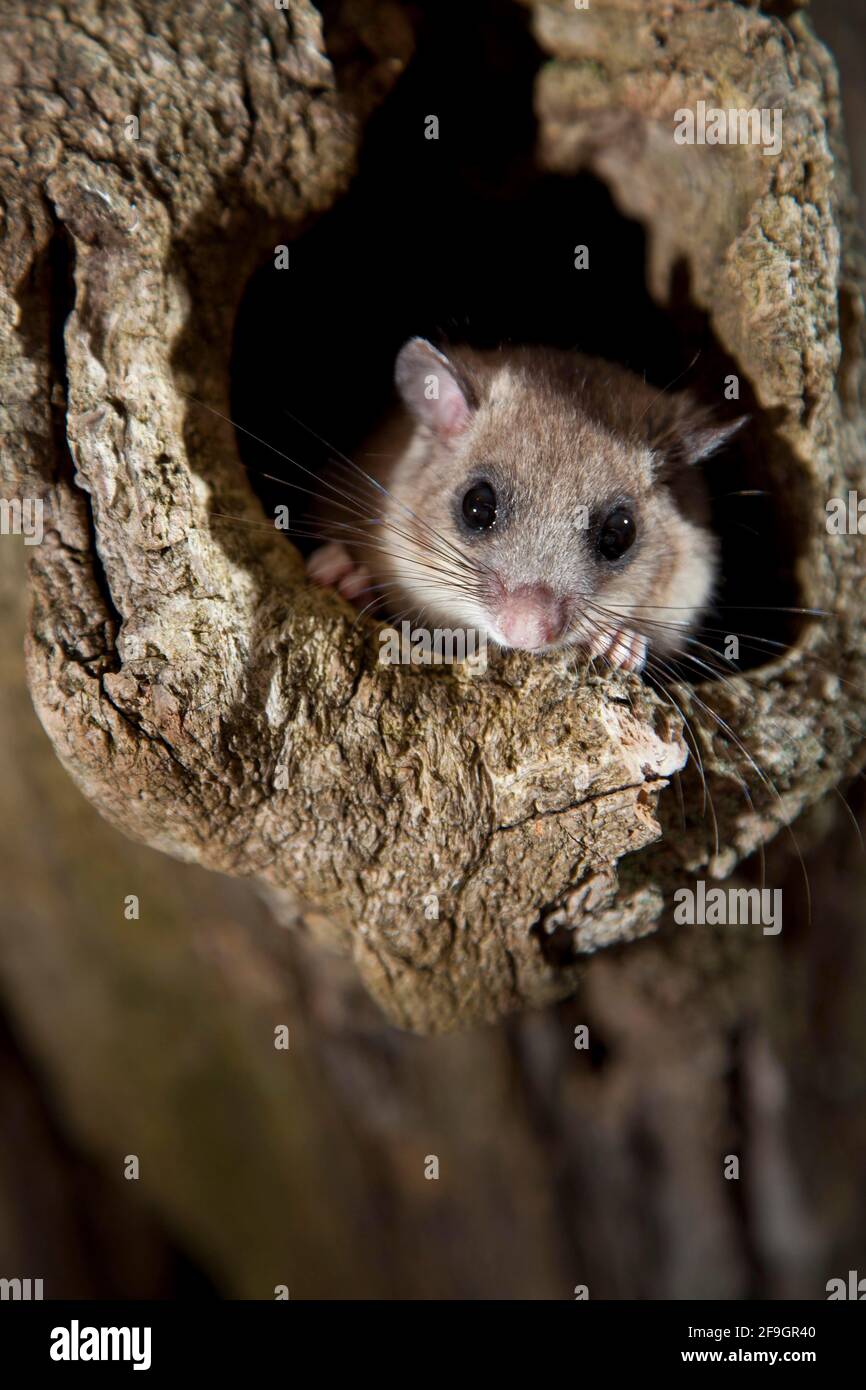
column 332, row 567
column 623, row 650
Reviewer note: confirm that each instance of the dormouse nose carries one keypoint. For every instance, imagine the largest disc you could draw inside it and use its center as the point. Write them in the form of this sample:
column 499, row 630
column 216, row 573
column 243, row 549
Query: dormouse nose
column 531, row 617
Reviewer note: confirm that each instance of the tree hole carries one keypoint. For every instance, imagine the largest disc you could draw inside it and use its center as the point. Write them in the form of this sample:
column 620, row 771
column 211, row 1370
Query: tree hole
column 465, row 238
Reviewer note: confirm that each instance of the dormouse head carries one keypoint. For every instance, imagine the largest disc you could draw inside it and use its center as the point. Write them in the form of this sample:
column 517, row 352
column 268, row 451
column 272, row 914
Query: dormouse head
column 550, row 496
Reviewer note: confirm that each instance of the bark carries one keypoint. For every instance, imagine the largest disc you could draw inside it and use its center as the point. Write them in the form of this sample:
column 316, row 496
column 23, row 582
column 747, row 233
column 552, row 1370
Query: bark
column 200, row 695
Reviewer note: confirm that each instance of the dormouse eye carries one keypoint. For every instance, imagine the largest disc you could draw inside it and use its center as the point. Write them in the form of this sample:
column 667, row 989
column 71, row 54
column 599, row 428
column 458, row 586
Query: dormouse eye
column 479, row 507
column 617, row 533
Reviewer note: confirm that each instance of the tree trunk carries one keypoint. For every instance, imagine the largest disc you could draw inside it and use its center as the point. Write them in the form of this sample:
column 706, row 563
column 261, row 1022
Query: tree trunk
column 216, row 710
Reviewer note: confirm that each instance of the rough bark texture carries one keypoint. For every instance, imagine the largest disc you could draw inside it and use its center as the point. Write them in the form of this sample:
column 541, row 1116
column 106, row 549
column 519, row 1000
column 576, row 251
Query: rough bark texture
column 200, row 695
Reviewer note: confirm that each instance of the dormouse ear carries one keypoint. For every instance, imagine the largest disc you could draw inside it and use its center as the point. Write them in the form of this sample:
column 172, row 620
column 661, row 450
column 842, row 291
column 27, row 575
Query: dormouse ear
column 432, row 389
column 705, row 440
column 684, row 432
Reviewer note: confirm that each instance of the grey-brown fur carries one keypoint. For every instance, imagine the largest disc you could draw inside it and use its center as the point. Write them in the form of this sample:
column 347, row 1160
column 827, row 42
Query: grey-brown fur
column 553, row 432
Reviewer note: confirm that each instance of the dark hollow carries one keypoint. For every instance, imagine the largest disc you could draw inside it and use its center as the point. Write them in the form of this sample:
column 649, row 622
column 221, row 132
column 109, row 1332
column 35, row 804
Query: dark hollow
column 463, row 238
